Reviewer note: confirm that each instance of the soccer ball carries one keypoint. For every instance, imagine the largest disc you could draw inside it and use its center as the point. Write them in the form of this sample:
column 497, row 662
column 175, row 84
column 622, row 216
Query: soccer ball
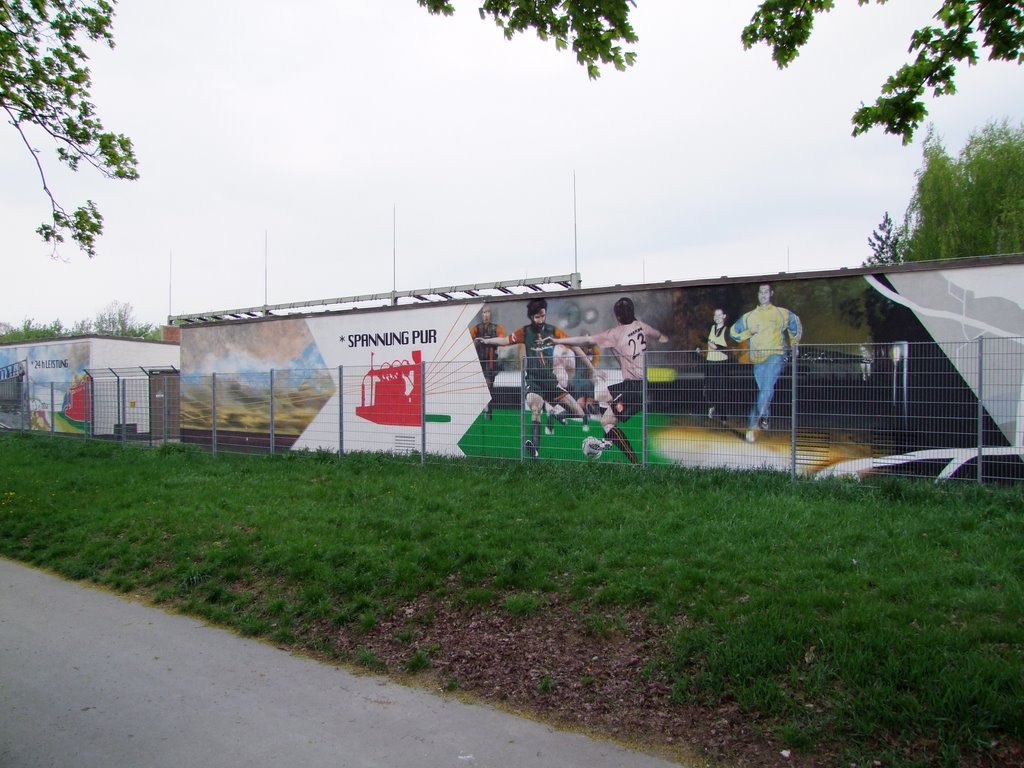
column 592, row 448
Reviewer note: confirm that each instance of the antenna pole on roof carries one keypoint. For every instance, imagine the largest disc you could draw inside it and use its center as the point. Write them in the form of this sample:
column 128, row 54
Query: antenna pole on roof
column 575, row 248
column 266, row 296
column 394, row 253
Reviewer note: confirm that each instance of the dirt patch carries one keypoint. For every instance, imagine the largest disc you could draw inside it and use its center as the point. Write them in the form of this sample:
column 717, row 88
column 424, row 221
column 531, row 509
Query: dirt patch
column 584, row 673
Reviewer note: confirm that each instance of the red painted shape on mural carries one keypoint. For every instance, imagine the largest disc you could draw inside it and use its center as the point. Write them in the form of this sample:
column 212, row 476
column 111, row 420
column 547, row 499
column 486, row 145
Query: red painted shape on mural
column 77, row 405
column 393, row 393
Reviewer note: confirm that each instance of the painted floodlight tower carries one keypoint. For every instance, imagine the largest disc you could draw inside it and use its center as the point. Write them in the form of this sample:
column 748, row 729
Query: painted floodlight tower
column 913, row 365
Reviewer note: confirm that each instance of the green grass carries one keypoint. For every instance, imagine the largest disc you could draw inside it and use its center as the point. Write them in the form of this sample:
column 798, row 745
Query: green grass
column 857, row 617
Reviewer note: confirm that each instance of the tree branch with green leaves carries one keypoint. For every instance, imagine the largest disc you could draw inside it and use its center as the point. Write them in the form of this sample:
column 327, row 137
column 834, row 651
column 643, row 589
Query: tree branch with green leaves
column 45, row 84
column 962, row 25
column 595, row 29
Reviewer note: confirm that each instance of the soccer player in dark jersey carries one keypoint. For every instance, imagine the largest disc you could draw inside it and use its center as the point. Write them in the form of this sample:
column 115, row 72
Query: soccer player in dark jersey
column 488, row 355
column 628, row 340
column 539, row 339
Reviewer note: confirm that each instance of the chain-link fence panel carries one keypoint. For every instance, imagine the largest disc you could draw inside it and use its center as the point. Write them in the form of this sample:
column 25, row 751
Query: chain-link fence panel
column 14, row 411
column 910, row 409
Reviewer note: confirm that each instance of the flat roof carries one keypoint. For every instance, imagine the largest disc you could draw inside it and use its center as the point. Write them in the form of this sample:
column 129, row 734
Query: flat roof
column 555, row 284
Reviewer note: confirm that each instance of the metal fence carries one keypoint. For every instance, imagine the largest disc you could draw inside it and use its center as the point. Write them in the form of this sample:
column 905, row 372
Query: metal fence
column 947, row 410
column 13, row 409
column 126, row 404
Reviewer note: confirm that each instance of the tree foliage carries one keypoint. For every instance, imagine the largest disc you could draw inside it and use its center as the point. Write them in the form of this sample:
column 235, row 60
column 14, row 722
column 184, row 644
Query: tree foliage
column 886, row 244
column 30, row 330
column 595, row 29
column 116, row 319
column 44, row 86
column 45, row 83
column 971, row 205
column 786, row 25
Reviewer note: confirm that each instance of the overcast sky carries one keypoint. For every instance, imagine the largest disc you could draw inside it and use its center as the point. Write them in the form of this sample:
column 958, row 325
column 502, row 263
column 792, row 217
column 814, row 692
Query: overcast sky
column 322, row 148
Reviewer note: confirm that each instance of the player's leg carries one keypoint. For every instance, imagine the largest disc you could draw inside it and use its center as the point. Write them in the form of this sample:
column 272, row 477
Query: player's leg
column 627, row 399
column 769, row 375
column 620, row 441
column 536, row 405
column 568, row 402
column 489, row 376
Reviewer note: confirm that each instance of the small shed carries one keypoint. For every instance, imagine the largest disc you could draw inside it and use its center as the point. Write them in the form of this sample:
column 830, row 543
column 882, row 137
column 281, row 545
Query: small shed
column 90, row 385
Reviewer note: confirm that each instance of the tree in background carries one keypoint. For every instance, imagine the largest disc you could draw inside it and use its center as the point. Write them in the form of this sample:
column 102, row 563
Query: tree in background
column 116, row 319
column 30, row 330
column 886, row 244
column 972, row 205
column 44, row 89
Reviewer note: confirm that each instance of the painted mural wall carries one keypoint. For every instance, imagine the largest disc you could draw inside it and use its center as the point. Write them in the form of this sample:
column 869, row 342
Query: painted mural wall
column 899, row 350
column 56, row 371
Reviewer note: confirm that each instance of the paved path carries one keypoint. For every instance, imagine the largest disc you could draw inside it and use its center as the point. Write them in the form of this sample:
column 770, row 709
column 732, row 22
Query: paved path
column 92, row 680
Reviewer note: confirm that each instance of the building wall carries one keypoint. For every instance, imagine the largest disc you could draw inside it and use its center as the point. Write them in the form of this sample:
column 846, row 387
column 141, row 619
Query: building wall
column 855, row 324
column 57, row 369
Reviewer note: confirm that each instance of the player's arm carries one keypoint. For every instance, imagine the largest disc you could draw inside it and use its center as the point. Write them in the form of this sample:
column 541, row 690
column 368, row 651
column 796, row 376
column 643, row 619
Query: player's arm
column 569, row 341
column 494, row 341
column 502, row 340
column 654, row 333
column 794, row 329
column 739, row 330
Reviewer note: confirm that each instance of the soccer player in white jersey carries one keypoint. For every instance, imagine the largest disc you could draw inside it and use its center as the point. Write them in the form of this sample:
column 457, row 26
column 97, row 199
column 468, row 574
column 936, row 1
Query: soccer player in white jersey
column 628, row 340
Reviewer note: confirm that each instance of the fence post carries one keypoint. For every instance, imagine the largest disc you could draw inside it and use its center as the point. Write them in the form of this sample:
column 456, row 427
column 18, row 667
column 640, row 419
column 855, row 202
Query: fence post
column 981, row 406
column 52, row 408
column 341, row 411
column 163, row 401
column 793, row 400
column 643, row 416
column 522, row 409
column 271, row 411
column 122, row 404
column 26, row 401
column 423, row 412
column 90, row 426
column 213, row 413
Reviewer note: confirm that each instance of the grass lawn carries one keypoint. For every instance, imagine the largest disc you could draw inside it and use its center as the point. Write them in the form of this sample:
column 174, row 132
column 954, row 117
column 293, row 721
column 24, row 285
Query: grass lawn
column 860, row 621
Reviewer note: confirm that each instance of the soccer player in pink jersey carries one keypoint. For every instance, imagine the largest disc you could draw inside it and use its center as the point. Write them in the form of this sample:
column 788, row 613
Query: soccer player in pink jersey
column 628, row 340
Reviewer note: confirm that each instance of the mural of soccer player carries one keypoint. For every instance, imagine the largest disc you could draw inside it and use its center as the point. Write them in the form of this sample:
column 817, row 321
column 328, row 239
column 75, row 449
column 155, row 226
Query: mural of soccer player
column 577, row 379
column 489, row 360
column 770, row 331
column 539, row 339
column 581, row 384
column 628, row 341
column 716, row 365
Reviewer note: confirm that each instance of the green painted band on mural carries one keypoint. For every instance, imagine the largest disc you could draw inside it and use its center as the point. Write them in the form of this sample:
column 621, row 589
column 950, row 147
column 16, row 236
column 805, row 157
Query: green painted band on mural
column 438, row 418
